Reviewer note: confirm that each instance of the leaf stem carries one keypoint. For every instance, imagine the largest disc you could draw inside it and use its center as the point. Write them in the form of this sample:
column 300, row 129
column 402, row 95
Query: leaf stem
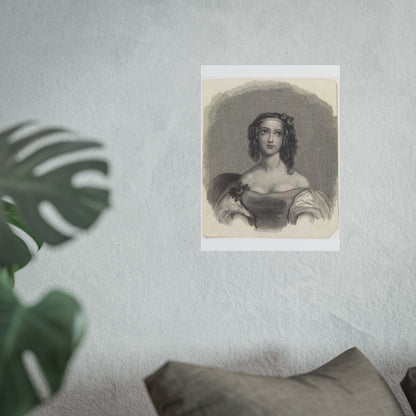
column 7, row 275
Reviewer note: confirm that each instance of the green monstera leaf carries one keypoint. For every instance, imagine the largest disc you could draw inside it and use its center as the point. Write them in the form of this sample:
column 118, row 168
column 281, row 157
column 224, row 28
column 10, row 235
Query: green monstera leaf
column 21, row 182
column 51, row 329
column 12, row 218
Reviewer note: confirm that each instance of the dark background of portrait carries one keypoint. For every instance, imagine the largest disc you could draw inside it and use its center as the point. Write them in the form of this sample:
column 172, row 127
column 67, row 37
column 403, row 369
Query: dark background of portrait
column 229, row 114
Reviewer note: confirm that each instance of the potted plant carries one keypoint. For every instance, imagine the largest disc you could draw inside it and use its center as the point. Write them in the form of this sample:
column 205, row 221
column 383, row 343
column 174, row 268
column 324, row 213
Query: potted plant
column 53, row 328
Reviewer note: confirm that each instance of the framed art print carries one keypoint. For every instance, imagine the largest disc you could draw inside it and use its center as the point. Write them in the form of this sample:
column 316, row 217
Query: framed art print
column 270, row 158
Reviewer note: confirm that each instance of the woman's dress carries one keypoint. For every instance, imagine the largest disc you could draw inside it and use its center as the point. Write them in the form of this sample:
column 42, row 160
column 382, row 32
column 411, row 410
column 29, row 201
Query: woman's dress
column 273, row 211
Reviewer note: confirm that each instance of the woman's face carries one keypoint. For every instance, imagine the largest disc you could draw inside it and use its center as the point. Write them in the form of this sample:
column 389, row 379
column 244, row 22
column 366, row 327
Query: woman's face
column 271, row 133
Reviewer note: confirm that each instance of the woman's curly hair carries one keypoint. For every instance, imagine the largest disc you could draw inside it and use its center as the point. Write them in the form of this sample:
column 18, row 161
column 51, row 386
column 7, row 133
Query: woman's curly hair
column 289, row 145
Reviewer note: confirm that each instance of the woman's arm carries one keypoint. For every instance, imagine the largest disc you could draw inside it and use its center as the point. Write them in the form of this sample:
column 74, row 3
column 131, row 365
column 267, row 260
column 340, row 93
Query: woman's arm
column 229, row 207
column 308, row 206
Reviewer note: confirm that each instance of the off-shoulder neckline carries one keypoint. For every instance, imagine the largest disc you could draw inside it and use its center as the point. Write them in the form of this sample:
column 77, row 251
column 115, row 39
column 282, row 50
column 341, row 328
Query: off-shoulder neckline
column 247, row 188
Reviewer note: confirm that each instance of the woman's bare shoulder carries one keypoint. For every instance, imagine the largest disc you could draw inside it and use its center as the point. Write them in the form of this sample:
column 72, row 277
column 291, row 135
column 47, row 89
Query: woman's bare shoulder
column 299, row 180
column 250, row 175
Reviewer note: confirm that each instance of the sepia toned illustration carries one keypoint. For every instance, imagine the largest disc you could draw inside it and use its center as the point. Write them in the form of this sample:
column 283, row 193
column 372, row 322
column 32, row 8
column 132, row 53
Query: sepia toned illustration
column 270, row 159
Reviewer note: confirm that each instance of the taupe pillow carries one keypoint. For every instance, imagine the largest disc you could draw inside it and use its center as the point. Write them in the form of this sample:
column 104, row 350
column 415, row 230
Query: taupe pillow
column 349, row 385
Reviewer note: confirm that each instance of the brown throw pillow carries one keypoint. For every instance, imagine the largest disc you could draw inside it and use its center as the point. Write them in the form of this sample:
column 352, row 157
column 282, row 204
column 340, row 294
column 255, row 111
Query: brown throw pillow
column 349, row 385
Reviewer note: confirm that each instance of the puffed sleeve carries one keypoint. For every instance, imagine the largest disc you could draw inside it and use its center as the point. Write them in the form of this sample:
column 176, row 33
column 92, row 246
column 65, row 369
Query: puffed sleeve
column 229, row 204
column 310, row 202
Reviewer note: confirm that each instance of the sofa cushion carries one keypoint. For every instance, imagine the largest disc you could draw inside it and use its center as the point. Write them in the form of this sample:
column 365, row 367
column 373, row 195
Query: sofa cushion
column 409, row 387
column 349, row 385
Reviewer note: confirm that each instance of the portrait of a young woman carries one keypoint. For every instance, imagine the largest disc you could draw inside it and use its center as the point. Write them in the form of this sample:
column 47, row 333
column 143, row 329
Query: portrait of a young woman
column 271, row 193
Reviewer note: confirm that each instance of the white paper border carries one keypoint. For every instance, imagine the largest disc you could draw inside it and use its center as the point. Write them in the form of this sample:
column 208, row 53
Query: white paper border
column 270, row 71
